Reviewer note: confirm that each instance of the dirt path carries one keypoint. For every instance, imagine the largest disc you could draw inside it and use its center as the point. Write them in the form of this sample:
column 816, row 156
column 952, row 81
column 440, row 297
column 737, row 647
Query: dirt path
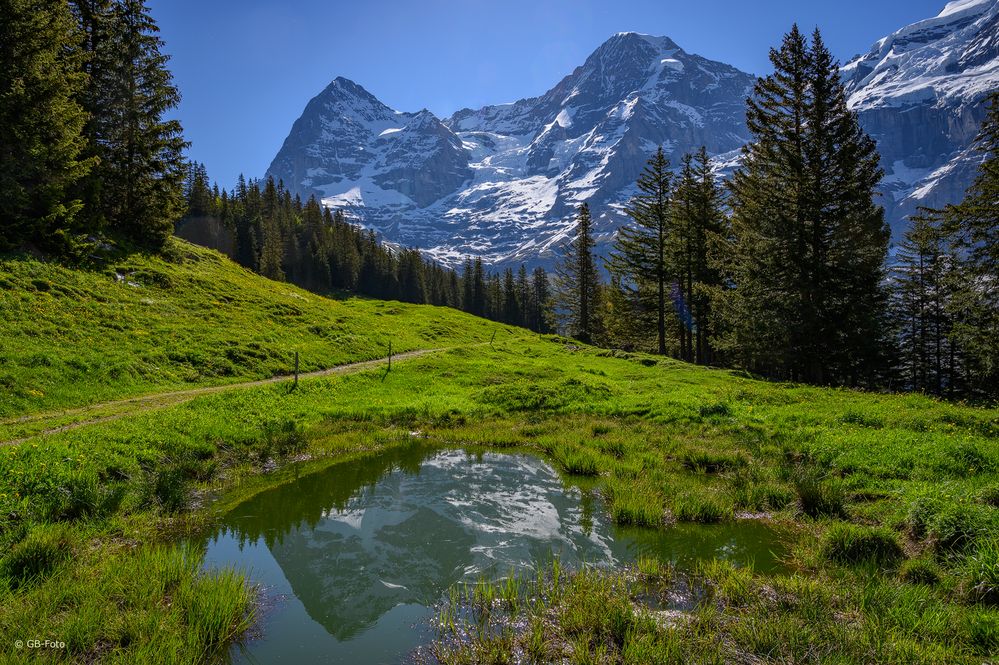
column 108, row 411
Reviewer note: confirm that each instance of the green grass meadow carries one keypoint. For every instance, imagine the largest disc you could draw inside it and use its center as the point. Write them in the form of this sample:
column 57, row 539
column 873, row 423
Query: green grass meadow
column 891, row 502
column 134, row 324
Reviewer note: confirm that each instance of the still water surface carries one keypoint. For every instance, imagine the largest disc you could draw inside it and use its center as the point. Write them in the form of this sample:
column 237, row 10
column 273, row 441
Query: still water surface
column 354, row 558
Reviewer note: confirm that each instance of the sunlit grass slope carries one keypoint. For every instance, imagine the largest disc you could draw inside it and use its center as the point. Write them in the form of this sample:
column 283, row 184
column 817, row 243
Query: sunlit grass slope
column 134, row 324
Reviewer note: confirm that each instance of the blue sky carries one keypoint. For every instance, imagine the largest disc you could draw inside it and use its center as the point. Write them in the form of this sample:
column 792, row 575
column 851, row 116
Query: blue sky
column 246, row 68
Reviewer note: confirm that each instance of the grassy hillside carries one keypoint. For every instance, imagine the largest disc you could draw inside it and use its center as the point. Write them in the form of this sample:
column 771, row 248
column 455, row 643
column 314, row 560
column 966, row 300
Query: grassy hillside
column 890, row 501
column 135, row 324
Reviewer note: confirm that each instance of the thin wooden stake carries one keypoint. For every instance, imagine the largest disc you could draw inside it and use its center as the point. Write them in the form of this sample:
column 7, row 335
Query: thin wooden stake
column 296, row 369
column 390, row 356
column 493, row 339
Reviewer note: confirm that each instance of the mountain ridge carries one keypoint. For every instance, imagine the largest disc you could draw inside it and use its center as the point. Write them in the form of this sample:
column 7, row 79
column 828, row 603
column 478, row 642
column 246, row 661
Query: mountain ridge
column 503, row 181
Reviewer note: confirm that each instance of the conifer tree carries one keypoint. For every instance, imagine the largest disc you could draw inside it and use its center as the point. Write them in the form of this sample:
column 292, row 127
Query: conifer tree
column 137, row 188
column 467, row 285
column 199, row 196
column 709, row 234
column 973, row 229
column 41, row 121
column 523, row 291
column 578, row 282
column 511, row 308
column 768, row 215
column 541, row 302
column 640, row 258
column 696, row 232
column 494, row 297
column 681, row 250
column 626, row 323
column 921, row 301
column 479, row 296
column 848, row 237
column 810, row 242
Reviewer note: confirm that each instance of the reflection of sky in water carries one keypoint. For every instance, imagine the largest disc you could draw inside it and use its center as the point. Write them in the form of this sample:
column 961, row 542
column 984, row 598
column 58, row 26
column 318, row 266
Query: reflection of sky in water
column 363, row 549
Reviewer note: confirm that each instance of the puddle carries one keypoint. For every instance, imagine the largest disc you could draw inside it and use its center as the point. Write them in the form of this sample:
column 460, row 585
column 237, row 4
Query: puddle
column 353, row 559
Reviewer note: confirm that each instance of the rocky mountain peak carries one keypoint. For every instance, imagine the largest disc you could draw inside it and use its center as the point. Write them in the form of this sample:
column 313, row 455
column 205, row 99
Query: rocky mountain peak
column 502, row 181
column 629, row 50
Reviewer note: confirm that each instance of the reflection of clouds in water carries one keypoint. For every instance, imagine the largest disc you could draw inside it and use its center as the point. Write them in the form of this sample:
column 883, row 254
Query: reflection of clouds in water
column 513, row 506
column 517, row 508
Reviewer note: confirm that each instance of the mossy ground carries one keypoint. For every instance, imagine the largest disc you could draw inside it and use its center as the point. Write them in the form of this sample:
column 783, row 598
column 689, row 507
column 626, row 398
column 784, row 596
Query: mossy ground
column 891, row 498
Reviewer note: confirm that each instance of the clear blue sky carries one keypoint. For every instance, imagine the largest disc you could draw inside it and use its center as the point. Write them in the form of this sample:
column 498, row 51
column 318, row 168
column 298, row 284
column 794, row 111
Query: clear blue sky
column 246, row 68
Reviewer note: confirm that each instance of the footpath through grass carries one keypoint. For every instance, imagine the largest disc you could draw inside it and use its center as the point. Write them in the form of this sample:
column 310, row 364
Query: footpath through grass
column 891, row 502
column 134, row 324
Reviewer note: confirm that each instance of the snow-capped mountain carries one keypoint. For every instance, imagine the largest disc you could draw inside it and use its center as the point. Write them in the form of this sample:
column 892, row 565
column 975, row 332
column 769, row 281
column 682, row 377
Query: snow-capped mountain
column 502, row 182
column 919, row 92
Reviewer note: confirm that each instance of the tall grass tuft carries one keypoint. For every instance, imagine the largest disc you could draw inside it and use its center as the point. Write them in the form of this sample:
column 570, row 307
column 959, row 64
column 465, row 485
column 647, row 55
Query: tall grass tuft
column 284, row 437
column 168, row 488
column 920, row 571
column 990, row 496
column 710, row 461
column 982, row 571
column 820, row 497
column 921, row 513
column 81, row 495
column 702, row 508
column 37, row 556
column 632, row 506
column 217, row 608
column 576, row 460
column 955, row 528
column 851, row 544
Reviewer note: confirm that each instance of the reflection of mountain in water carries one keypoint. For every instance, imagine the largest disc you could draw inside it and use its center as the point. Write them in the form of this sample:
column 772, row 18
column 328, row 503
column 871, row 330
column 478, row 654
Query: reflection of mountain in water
column 347, row 578
column 360, row 538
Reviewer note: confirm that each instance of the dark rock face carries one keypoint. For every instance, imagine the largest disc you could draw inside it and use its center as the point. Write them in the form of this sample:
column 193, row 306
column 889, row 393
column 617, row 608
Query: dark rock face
column 503, row 182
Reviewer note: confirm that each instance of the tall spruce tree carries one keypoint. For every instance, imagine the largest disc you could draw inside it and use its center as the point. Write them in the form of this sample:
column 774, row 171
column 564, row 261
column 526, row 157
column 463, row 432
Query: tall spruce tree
column 41, row 123
column 922, row 296
column 137, row 189
column 511, row 306
column 973, row 230
column 848, row 238
column 467, row 285
column 710, row 232
column 578, row 282
column 541, row 302
column 523, row 289
column 697, row 228
column 810, row 242
column 681, row 251
column 480, row 299
column 640, row 257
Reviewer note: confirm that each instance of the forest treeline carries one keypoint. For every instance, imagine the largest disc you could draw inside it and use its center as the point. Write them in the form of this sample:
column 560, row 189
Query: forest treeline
column 262, row 226
column 783, row 269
